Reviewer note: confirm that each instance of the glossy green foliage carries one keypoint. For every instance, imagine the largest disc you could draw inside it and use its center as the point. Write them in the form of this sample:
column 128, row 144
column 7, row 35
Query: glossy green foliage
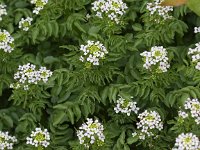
column 75, row 93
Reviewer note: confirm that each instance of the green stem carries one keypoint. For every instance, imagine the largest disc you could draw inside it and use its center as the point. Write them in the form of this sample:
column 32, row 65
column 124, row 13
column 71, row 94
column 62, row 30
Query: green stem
column 40, row 148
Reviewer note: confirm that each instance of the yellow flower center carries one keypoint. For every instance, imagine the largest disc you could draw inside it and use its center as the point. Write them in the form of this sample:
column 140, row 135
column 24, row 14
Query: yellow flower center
column 94, row 125
column 197, row 106
column 29, row 70
column 115, row 5
column 187, row 140
column 26, row 24
column 93, row 48
column 39, row 3
column 2, row 139
column 44, row 74
column 2, row 37
column 40, row 137
column 149, row 117
column 125, row 103
column 157, row 53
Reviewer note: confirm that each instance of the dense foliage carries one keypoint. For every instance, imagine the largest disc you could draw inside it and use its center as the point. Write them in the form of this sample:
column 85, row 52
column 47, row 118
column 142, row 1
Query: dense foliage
column 104, row 74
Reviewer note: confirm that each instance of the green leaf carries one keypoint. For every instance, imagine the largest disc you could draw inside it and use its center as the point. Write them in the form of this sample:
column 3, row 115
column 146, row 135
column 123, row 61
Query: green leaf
column 35, row 33
column 21, row 4
column 77, row 112
column 137, row 27
column 8, row 121
column 58, row 117
column 126, row 147
column 70, row 114
column 122, row 138
column 50, row 60
column 18, row 17
column 132, row 140
column 10, row 28
column 22, row 127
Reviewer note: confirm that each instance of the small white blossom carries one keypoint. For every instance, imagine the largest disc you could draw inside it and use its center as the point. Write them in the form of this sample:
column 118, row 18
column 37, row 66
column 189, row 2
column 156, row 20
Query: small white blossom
column 182, row 114
column 88, row 16
column 25, row 23
column 6, row 141
column 92, row 52
column 38, row 138
column 2, row 11
column 195, row 55
column 112, row 9
column 91, row 133
column 196, row 29
column 134, row 134
column 156, row 58
column 193, row 105
column 155, row 8
column 150, row 121
column 39, row 5
column 27, row 74
column 187, row 141
column 6, row 41
column 126, row 106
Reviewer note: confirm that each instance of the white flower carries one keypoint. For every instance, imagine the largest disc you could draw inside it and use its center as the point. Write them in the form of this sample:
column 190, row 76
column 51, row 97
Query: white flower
column 155, row 8
column 27, row 74
column 156, row 57
column 182, row 114
column 126, row 106
column 6, row 41
column 25, row 23
column 193, row 105
column 2, row 11
column 195, row 54
column 196, row 29
column 187, row 141
column 6, row 141
column 134, row 134
column 88, row 16
column 44, row 74
column 149, row 122
column 39, row 5
column 93, row 52
column 198, row 66
column 90, row 133
column 112, row 9
column 39, row 137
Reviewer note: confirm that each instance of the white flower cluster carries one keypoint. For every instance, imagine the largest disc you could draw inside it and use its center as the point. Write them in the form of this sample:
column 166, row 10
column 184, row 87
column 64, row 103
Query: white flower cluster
column 182, row 114
column 6, row 41
column 25, row 23
column 156, row 59
column 2, row 11
column 6, row 141
column 150, row 121
column 27, row 74
column 193, row 105
column 196, row 29
column 91, row 133
column 195, row 52
column 93, row 52
column 126, row 106
column 187, row 141
column 39, row 5
column 112, row 9
column 155, row 8
column 38, row 138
